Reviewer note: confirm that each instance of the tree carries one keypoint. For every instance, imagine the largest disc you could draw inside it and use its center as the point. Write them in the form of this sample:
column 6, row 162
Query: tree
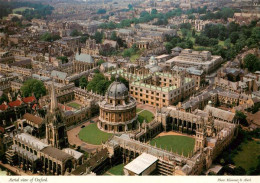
column 98, row 37
column 168, row 47
column 185, row 26
column 75, row 33
column 98, row 84
column 251, row 62
column 130, row 7
column 121, row 79
column 113, row 36
column 49, row 37
column 234, row 37
column 4, row 98
column 101, row 61
column 101, row 11
column 63, row 59
column 193, row 32
column 241, row 117
column 154, row 11
column 33, row 86
column 83, row 82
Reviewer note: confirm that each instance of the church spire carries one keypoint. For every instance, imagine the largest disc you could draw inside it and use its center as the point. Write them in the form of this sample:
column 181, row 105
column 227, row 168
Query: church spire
column 54, row 103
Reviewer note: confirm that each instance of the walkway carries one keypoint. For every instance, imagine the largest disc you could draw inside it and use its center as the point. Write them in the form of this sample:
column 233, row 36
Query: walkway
column 74, row 139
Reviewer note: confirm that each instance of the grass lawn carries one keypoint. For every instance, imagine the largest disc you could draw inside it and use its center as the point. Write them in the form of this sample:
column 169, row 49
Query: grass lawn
column 74, row 105
column 147, row 115
column 138, row 110
column 134, row 57
column 92, row 135
column 21, row 9
column 247, row 157
column 177, row 143
column 117, row 170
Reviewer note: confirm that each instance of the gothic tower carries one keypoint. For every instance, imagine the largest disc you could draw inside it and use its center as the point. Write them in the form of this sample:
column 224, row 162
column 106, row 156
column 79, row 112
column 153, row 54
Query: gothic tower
column 200, row 139
column 56, row 134
column 210, row 126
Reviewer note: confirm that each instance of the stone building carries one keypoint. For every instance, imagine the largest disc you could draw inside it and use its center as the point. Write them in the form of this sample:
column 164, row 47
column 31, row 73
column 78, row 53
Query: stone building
column 162, row 89
column 83, row 62
column 118, row 110
column 203, row 60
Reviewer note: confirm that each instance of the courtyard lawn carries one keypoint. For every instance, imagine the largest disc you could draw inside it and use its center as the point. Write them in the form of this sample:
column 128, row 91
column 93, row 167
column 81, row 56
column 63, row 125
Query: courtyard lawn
column 21, row 9
column 74, row 105
column 138, row 110
column 145, row 115
column 247, row 157
column 176, row 143
column 133, row 58
column 116, row 170
column 92, row 135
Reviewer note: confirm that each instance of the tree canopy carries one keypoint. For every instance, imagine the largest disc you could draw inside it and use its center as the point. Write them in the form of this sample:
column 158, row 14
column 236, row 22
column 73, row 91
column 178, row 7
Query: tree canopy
column 252, row 62
column 49, row 37
column 83, row 82
column 33, row 86
column 98, row 84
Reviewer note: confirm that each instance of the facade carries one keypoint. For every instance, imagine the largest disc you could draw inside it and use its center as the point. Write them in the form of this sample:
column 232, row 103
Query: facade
column 117, row 110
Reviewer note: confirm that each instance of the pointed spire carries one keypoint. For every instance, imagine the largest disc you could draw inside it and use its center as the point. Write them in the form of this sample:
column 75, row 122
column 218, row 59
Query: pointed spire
column 54, row 103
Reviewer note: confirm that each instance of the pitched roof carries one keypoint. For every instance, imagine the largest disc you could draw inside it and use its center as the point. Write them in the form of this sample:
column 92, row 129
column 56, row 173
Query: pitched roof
column 29, row 99
column 15, row 103
column 32, row 118
column 3, row 107
column 56, row 153
column 84, row 58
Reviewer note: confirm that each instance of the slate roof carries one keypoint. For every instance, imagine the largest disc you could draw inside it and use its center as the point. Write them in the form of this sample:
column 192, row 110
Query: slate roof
column 84, row 58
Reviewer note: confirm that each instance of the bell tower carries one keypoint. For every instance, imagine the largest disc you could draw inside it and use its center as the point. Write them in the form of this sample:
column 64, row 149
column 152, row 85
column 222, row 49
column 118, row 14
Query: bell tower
column 200, row 139
column 56, row 134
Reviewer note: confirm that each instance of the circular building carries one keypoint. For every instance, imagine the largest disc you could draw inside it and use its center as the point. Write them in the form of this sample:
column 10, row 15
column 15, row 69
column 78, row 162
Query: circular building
column 118, row 110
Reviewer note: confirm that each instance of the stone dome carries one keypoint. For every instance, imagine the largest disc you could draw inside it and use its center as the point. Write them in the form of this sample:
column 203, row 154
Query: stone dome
column 117, row 90
column 152, row 58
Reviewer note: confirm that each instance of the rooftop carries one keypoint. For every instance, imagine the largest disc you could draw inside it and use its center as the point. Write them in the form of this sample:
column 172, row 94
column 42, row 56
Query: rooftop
column 141, row 163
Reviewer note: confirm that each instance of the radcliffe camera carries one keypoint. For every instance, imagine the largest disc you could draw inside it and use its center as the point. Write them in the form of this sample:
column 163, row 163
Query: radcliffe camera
column 150, row 88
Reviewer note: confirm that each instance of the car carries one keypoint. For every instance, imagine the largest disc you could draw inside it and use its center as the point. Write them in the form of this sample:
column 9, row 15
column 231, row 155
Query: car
column 82, row 126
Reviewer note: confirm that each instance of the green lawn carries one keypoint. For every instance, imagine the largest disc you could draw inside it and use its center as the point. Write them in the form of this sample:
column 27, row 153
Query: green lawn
column 116, row 170
column 21, row 9
column 247, row 157
column 147, row 115
column 176, row 143
column 74, row 105
column 92, row 135
column 134, row 57
column 138, row 110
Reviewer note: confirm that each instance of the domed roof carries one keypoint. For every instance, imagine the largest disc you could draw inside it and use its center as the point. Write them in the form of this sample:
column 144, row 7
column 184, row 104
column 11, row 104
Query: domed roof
column 117, row 90
column 152, row 58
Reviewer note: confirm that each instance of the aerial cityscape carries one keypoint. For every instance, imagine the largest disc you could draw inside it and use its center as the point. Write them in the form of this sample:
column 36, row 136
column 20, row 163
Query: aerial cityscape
column 129, row 87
